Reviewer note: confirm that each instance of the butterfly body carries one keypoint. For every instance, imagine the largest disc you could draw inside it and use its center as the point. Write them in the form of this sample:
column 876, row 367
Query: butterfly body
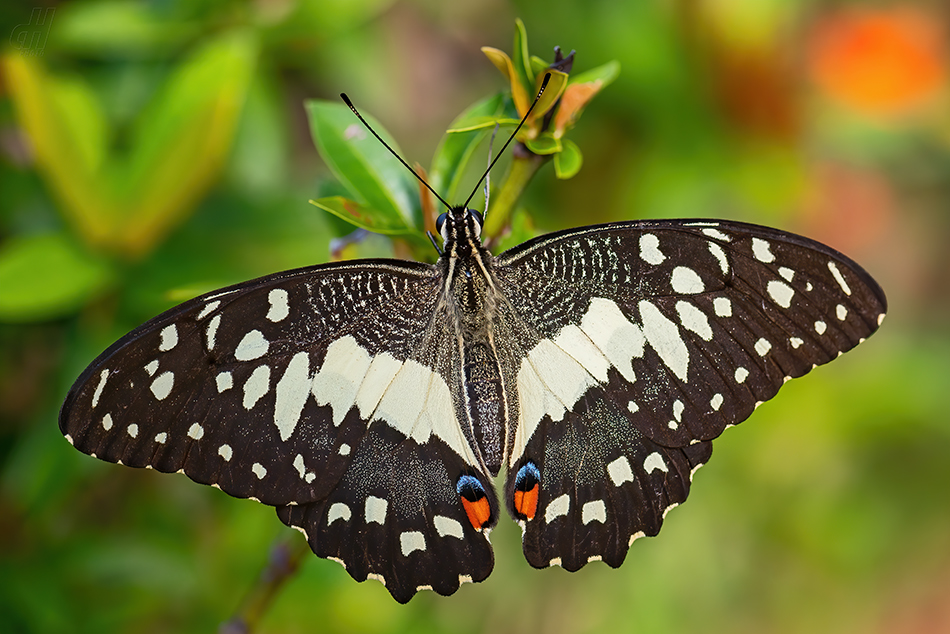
column 371, row 402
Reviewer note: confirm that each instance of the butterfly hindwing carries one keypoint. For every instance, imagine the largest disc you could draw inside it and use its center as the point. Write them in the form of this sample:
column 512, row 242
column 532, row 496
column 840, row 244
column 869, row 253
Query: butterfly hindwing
column 648, row 339
column 396, row 516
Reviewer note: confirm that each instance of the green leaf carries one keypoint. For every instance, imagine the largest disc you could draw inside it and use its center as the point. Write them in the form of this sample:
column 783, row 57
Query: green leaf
column 538, row 65
column 47, row 276
column 368, row 171
column 552, row 93
column 128, row 202
column 61, row 119
column 182, row 140
column 544, row 144
column 520, row 58
column 568, row 161
column 482, row 123
column 363, row 216
column 457, row 145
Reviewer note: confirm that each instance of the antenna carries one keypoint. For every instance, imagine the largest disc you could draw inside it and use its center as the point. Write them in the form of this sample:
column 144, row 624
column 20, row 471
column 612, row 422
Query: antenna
column 349, row 103
column 544, row 84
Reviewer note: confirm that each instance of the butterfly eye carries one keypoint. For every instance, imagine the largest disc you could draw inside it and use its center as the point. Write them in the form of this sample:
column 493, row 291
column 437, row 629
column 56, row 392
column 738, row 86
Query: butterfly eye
column 479, row 221
column 440, row 226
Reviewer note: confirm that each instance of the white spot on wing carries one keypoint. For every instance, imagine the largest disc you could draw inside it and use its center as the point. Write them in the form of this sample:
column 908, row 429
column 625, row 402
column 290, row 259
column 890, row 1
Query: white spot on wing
column 212, row 331
column 169, row 338
column 410, row 541
column 619, row 471
column 338, row 511
column 224, row 381
column 839, row 278
column 633, row 407
column 841, row 312
column 103, row 377
column 259, row 470
column 253, row 346
column 686, row 281
column 820, row 327
column 781, row 293
column 107, row 422
column 225, row 452
column 694, row 319
column 678, row 408
column 716, row 402
column 786, row 273
column 161, row 437
column 762, row 346
column 761, row 250
column 256, row 386
column 594, row 511
column 375, row 509
column 279, row 308
column 741, row 375
column 152, row 367
column 132, row 430
column 292, row 392
column 579, row 345
column 664, row 336
column 717, row 235
column 344, row 450
column 339, row 379
column 653, row 462
column 162, row 385
column 208, row 309
column 446, row 526
column 722, row 306
column 720, row 255
column 796, row 342
column 618, row 340
column 649, row 249
column 196, row 431
column 558, row 507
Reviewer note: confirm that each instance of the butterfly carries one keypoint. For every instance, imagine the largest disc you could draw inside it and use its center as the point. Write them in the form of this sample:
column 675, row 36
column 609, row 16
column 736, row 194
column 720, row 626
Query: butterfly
column 372, row 402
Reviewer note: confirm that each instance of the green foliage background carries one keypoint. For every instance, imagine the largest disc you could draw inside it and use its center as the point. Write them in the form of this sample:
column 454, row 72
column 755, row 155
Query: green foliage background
column 150, row 151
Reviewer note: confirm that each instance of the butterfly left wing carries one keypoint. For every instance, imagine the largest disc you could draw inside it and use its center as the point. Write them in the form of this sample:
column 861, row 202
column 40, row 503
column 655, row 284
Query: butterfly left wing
column 643, row 341
column 323, row 392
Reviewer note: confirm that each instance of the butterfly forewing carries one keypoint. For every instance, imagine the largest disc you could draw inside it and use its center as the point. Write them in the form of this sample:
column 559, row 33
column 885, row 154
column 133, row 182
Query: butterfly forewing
column 651, row 338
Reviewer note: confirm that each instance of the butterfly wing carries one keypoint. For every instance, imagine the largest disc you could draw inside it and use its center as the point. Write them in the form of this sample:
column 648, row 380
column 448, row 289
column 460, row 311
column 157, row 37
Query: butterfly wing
column 321, row 391
column 645, row 340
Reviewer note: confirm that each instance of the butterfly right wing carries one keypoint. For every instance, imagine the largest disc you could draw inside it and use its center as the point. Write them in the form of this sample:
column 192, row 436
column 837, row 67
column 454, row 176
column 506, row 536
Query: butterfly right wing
column 641, row 343
column 321, row 391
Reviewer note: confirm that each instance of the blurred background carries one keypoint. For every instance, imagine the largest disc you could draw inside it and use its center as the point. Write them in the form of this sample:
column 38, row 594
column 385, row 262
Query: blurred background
column 182, row 123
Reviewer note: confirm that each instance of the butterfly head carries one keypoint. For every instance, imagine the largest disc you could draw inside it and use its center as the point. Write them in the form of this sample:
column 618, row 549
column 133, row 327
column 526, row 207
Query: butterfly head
column 461, row 229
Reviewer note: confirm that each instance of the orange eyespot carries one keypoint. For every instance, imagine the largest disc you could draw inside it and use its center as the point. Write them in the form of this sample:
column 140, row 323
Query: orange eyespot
column 527, row 488
column 474, row 501
column 526, row 502
column 478, row 511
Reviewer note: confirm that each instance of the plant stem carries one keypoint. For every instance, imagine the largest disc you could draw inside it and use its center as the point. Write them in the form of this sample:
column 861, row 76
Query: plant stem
column 524, row 165
column 284, row 560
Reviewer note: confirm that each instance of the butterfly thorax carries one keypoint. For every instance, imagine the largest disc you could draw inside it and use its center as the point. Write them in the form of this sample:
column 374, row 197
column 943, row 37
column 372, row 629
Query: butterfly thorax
column 471, row 295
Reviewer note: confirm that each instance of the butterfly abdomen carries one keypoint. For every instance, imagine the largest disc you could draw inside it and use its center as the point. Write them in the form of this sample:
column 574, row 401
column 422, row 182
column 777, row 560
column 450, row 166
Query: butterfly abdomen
column 484, row 391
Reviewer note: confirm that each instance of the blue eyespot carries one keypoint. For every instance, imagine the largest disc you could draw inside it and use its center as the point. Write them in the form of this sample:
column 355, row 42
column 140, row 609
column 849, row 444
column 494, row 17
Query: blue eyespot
column 527, row 477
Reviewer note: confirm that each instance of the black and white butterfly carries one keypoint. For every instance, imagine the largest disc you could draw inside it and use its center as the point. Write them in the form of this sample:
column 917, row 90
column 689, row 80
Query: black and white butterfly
column 371, row 402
